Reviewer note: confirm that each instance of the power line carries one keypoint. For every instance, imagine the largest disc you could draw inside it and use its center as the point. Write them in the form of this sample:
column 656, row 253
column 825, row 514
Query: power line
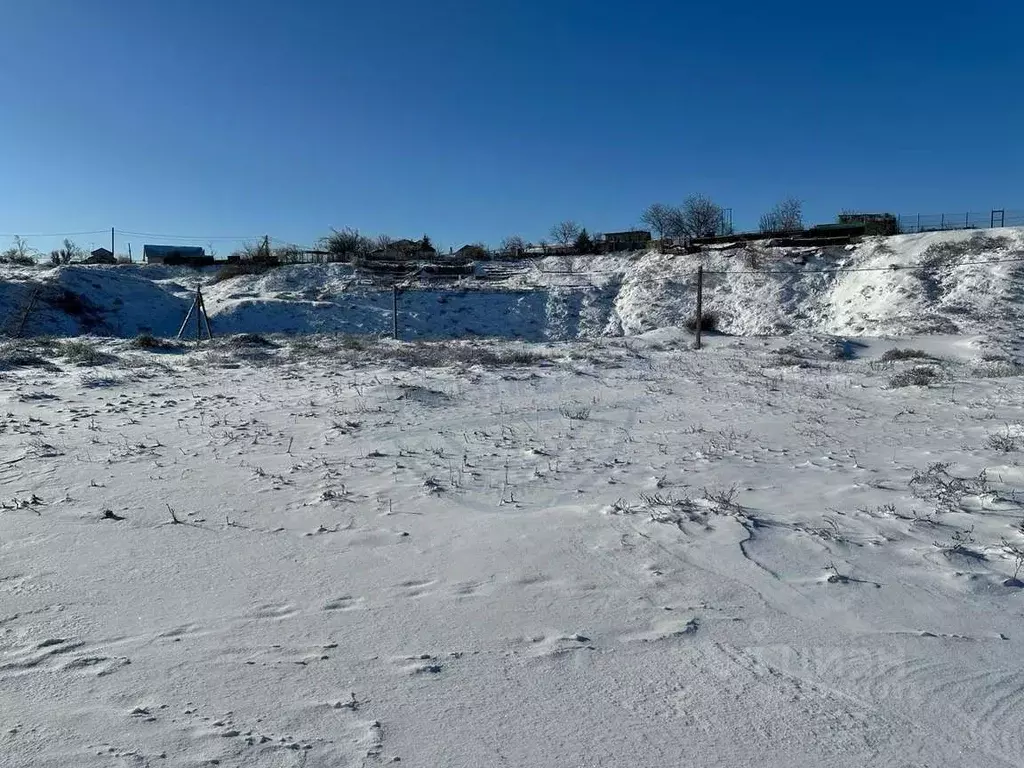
column 54, row 234
column 188, row 237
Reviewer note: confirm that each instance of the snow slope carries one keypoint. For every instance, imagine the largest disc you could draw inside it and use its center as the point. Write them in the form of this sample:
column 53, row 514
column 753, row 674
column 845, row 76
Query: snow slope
column 317, row 554
column 753, row 290
column 768, row 291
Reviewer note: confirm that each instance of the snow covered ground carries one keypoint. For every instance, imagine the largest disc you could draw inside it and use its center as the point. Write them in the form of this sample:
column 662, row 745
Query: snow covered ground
column 334, row 552
column 753, row 290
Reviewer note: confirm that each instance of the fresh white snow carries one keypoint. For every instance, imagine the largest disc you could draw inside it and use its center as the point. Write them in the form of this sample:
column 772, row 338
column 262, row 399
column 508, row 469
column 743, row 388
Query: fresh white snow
column 632, row 554
column 340, row 551
column 754, row 291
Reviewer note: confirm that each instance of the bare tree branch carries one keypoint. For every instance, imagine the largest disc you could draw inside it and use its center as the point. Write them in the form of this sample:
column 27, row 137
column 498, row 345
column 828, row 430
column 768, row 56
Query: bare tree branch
column 566, row 232
column 787, row 215
column 700, row 216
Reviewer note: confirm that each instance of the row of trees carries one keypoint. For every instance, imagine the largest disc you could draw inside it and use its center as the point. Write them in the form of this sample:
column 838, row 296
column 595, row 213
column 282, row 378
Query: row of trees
column 700, row 216
column 20, row 252
column 348, row 244
column 697, row 216
column 786, row 216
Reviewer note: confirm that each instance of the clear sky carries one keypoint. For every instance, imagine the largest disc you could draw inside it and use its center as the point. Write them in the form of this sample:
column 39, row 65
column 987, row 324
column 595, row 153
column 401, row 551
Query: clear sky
column 472, row 120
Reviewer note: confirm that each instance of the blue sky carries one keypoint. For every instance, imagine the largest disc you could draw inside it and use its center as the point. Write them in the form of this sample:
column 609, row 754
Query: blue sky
column 475, row 120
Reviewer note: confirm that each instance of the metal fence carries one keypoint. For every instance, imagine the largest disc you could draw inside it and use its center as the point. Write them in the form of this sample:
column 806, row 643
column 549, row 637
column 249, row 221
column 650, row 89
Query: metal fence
column 938, row 222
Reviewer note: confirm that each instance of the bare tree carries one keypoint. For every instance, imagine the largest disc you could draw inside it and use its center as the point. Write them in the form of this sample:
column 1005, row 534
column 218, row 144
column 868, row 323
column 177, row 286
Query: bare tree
column 345, row 244
column 700, row 216
column 68, row 253
column 19, row 253
column 513, row 245
column 248, row 252
column 383, row 242
column 566, row 232
column 664, row 220
column 785, row 216
column 287, row 254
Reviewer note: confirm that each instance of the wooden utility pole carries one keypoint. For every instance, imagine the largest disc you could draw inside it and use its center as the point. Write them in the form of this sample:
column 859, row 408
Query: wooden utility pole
column 112, row 242
column 266, row 247
column 700, row 306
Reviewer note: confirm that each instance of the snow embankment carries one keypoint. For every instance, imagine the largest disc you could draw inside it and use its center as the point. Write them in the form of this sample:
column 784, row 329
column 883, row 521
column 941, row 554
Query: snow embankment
column 965, row 282
column 897, row 286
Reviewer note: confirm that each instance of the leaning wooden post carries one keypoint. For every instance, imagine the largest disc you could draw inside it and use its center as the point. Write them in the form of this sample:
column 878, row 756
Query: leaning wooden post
column 700, row 306
column 394, row 311
column 199, row 314
column 206, row 318
column 188, row 316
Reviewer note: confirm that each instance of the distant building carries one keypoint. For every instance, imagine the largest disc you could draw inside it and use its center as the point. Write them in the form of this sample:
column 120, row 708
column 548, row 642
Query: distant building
column 873, row 223
column 174, row 254
column 405, row 250
column 634, row 240
column 101, row 256
column 549, row 250
column 471, row 253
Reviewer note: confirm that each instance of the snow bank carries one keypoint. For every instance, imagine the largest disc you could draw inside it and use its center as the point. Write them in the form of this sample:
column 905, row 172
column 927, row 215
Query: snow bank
column 767, row 291
column 754, row 290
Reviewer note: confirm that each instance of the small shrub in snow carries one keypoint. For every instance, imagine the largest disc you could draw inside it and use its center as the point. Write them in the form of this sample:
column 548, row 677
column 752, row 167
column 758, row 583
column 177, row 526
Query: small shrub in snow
column 575, row 412
column 427, row 354
column 998, row 370
column 1014, row 551
column 1006, row 443
column 723, row 498
column 249, row 340
column 708, row 321
column 946, row 490
column 842, row 349
column 146, row 341
column 238, row 268
column 519, row 357
column 15, row 356
column 352, row 342
column 99, row 382
column 905, row 354
column 83, row 353
column 151, row 342
column 960, row 543
column 918, row 376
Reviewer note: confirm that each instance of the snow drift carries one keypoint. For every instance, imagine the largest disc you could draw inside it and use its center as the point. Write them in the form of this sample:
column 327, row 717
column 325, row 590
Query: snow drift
column 965, row 282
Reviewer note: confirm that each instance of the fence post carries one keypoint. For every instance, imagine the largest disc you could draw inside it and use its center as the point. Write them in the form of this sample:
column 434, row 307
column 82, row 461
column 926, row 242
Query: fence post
column 394, row 311
column 700, row 307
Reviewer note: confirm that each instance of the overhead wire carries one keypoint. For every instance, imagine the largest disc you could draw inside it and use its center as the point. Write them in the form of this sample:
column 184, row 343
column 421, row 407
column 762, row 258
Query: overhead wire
column 54, row 234
column 133, row 233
